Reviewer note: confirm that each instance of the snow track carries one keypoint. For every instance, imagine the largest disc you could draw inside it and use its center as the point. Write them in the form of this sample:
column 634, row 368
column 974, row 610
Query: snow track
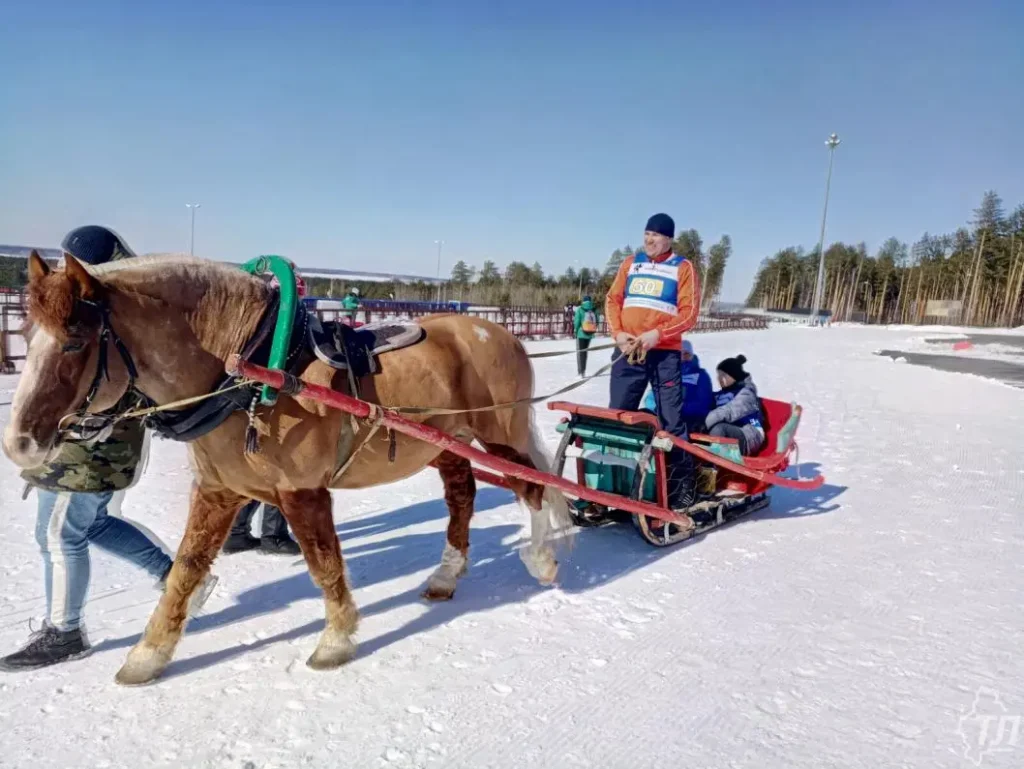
column 847, row 627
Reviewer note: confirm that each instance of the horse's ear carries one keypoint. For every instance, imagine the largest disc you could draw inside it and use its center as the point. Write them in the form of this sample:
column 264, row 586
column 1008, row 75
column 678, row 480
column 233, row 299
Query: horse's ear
column 85, row 285
column 37, row 267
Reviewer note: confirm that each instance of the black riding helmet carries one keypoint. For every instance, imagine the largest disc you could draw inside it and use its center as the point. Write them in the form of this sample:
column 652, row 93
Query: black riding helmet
column 93, row 244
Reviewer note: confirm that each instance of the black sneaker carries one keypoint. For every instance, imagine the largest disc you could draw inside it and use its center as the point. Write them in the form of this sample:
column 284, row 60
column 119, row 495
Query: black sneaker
column 239, row 543
column 280, row 546
column 48, row 646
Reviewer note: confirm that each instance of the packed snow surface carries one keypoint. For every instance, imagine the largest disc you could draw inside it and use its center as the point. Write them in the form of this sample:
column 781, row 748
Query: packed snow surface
column 874, row 623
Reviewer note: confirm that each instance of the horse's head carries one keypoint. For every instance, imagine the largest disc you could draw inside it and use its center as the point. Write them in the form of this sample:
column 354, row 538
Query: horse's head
column 67, row 368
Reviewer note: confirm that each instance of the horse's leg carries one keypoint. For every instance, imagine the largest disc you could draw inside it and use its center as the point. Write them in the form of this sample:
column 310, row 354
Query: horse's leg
column 540, row 503
column 209, row 519
column 308, row 511
column 459, row 493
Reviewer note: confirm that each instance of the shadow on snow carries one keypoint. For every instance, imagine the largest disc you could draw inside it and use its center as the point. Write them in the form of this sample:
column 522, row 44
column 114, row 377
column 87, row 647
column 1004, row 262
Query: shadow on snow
column 496, row 576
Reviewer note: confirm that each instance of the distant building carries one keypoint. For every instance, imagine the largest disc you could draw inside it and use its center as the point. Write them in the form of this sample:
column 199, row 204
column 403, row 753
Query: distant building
column 22, row 252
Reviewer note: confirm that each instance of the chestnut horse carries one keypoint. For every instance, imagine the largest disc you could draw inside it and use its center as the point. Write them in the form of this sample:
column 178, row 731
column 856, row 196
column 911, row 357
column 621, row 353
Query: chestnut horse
column 164, row 326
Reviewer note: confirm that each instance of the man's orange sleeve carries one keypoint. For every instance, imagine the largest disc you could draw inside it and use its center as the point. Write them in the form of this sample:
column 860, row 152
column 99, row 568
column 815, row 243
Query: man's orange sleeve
column 688, row 304
column 615, row 296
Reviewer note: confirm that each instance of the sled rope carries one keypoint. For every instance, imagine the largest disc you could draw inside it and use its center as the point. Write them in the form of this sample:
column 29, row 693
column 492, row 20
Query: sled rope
column 430, row 411
column 559, row 353
column 636, row 361
column 636, row 357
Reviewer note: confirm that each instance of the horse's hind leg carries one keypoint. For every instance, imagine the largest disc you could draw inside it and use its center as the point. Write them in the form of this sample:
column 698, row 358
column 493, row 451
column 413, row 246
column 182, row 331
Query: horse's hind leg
column 308, row 511
column 459, row 494
column 209, row 519
column 541, row 503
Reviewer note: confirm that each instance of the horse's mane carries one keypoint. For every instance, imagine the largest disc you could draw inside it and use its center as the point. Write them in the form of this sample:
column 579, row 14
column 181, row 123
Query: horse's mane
column 224, row 303
column 170, row 262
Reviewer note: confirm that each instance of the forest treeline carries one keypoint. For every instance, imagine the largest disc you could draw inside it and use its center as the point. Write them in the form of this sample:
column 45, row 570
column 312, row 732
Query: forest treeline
column 980, row 266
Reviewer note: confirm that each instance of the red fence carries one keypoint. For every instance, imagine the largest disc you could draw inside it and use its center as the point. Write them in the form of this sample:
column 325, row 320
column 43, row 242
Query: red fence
column 524, row 322
column 12, row 316
column 537, row 322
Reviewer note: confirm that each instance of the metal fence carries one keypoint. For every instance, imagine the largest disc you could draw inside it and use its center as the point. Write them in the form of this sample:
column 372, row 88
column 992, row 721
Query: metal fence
column 523, row 322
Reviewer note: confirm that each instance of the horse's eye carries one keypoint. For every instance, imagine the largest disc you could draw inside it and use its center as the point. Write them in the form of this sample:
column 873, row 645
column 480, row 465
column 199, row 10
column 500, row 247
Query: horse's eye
column 73, row 346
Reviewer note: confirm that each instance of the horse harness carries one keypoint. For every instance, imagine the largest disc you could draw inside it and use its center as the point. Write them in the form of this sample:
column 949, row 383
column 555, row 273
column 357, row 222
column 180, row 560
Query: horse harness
column 186, row 424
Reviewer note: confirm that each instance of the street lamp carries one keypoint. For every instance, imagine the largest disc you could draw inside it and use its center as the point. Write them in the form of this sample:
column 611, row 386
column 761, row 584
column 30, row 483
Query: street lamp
column 439, row 244
column 704, row 285
column 192, row 239
column 832, row 143
column 579, row 264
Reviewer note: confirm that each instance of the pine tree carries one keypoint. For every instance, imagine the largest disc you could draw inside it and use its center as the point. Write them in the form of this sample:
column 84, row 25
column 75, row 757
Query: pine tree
column 718, row 257
column 689, row 244
column 462, row 275
column 614, row 262
column 489, row 274
column 518, row 274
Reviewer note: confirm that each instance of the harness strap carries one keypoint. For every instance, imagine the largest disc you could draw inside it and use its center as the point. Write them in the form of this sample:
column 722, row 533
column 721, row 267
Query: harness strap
column 374, row 423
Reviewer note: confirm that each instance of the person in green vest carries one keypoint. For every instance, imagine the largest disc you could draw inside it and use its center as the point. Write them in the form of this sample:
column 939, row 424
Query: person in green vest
column 351, row 303
column 584, row 326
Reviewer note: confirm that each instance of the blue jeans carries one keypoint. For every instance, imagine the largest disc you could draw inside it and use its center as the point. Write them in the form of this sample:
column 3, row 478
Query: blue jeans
column 65, row 525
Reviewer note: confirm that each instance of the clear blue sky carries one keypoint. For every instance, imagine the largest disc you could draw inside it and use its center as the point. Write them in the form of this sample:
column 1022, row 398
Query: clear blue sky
column 355, row 134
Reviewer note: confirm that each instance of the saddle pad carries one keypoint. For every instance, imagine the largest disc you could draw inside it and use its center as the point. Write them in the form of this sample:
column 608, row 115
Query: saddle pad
column 342, row 347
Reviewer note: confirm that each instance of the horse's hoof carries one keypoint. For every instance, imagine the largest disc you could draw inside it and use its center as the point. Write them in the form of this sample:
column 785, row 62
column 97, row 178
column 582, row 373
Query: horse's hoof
column 438, row 592
column 440, row 587
column 542, row 565
column 143, row 665
column 547, row 573
column 333, row 651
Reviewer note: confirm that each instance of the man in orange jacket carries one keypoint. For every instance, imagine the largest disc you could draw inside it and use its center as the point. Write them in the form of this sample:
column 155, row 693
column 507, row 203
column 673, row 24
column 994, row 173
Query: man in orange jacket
column 652, row 302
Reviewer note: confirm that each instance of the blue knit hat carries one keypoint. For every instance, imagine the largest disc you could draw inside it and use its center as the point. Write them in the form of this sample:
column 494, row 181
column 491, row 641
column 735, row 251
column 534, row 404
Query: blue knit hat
column 661, row 224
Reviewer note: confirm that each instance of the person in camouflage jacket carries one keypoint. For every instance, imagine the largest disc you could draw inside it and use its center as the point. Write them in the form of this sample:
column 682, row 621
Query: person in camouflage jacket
column 79, row 495
column 108, row 465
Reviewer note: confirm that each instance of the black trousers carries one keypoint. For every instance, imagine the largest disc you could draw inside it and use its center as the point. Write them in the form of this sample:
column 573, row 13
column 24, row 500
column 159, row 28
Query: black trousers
column 661, row 370
column 581, row 355
column 274, row 524
column 725, row 430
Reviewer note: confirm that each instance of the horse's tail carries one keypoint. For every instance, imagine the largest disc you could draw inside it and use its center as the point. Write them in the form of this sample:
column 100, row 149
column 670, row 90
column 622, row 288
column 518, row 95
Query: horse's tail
column 554, row 499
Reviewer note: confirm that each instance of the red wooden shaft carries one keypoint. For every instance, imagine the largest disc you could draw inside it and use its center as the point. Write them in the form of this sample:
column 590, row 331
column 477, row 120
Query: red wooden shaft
column 361, row 409
column 491, row 478
column 765, row 476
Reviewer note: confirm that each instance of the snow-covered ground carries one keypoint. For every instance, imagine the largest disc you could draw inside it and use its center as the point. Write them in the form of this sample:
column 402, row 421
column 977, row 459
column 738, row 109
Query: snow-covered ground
column 875, row 623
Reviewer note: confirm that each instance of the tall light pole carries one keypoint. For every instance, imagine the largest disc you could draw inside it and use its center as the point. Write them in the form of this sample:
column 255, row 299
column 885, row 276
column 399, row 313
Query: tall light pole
column 439, row 244
column 832, row 143
column 703, row 285
column 192, row 238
